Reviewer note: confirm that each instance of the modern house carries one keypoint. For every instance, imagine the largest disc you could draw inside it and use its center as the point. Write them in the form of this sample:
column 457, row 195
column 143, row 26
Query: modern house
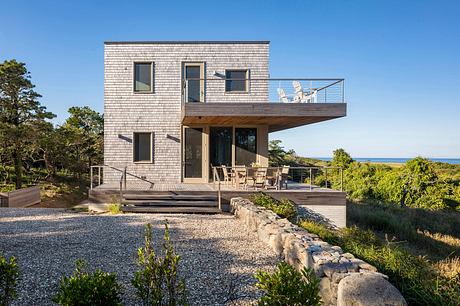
column 172, row 109
column 175, row 109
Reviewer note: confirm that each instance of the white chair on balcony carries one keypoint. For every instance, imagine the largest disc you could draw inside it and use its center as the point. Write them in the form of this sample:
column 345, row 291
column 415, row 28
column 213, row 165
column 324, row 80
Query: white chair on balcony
column 301, row 96
column 283, row 97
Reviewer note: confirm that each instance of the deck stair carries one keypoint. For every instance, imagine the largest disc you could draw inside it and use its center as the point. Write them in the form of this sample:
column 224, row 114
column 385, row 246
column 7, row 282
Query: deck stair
column 169, row 203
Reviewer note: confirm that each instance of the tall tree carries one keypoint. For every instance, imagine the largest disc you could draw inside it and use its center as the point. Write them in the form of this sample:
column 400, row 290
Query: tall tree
column 19, row 111
column 84, row 132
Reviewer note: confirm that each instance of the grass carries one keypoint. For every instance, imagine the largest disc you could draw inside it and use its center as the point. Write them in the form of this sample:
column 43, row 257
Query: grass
column 283, row 208
column 419, row 281
column 431, row 233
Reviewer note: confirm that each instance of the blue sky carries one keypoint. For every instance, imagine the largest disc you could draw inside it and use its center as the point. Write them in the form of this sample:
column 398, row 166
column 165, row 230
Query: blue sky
column 400, row 59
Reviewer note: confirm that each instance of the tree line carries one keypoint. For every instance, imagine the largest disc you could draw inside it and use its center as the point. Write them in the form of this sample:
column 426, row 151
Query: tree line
column 32, row 147
column 418, row 183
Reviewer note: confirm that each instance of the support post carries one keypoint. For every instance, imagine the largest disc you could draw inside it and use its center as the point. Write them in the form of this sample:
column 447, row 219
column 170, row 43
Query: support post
column 311, row 179
column 325, row 174
column 91, row 178
column 99, row 176
column 341, row 179
column 124, row 176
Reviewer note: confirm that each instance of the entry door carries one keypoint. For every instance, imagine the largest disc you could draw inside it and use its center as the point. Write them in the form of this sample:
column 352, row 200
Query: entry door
column 193, row 155
column 193, row 76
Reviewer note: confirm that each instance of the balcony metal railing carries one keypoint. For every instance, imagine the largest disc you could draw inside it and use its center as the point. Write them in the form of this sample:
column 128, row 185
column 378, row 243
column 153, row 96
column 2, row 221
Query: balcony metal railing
column 279, row 90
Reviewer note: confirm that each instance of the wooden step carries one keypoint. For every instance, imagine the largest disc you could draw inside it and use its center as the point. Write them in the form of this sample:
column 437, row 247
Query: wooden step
column 175, row 209
column 191, row 197
column 169, row 203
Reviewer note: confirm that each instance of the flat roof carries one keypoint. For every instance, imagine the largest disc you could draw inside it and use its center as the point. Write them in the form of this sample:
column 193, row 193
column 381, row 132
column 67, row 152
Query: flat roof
column 171, row 42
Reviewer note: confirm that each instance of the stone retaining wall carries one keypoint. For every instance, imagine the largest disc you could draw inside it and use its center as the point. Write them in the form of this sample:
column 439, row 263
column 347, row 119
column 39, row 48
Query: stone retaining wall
column 344, row 279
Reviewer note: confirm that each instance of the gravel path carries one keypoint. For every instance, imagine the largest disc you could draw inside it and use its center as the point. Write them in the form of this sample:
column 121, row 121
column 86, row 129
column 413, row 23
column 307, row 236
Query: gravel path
column 217, row 252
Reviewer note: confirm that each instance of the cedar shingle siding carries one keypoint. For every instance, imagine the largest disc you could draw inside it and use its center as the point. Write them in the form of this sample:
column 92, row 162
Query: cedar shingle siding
column 126, row 112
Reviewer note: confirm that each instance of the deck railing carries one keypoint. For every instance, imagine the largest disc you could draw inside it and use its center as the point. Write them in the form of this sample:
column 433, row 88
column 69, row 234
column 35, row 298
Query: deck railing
column 97, row 176
column 310, row 178
column 276, row 90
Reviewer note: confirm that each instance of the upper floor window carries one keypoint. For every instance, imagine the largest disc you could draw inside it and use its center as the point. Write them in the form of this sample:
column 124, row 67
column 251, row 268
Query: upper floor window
column 143, row 77
column 236, row 80
column 142, row 147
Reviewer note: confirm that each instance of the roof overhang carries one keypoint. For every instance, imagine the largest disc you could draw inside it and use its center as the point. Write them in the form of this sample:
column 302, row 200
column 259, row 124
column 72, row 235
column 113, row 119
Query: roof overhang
column 278, row 116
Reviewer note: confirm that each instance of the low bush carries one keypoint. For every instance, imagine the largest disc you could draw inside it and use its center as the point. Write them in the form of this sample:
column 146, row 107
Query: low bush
column 83, row 288
column 286, row 286
column 9, row 275
column 412, row 275
column 284, row 208
column 115, row 208
column 156, row 281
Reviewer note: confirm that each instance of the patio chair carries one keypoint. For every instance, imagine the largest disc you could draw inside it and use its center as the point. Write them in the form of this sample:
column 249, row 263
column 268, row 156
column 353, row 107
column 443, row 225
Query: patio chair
column 241, row 174
column 272, row 178
column 284, row 175
column 301, row 96
column 260, row 177
column 283, row 96
column 228, row 176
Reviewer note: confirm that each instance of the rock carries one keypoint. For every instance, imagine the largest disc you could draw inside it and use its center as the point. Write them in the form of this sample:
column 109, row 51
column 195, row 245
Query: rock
column 368, row 289
column 368, row 267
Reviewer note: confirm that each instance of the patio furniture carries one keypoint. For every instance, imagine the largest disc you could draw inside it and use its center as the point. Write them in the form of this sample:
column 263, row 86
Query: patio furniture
column 283, row 96
column 240, row 174
column 228, row 176
column 260, row 177
column 272, row 178
column 283, row 177
column 301, row 96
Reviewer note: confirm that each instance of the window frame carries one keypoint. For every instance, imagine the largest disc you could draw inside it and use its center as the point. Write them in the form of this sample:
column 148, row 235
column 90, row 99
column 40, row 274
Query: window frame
column 152, row 76
column 246, row 83
column 150, row 161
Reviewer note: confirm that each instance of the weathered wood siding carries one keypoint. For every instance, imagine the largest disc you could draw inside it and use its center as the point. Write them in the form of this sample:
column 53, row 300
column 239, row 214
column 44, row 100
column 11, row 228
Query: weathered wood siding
column 21, row 198
column 126, row 112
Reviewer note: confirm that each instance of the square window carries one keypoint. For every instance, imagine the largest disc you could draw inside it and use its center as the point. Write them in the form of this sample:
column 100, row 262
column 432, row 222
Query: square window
column 143, row 76
column 142, row 147
column 236, row 80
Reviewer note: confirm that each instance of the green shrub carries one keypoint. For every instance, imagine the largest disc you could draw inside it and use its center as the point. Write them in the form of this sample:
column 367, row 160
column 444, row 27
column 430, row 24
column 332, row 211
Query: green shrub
column 9, row 275
column 156, row 281
column 83, row 288
column 284, row 208
column 286, row 286
column 419, row 283
column 115, row 208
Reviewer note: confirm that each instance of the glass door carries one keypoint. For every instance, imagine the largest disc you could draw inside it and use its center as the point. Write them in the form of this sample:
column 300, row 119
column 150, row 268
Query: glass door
column 220, row 147
column 193, row 154
column 245, row 146
column 193, row 75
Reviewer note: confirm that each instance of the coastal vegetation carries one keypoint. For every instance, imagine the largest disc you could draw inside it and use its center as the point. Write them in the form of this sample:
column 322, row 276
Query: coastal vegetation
column 34, row 150
column 403, row 219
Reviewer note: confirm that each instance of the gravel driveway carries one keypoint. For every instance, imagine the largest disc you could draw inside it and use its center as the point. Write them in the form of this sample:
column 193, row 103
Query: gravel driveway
column 217, row 252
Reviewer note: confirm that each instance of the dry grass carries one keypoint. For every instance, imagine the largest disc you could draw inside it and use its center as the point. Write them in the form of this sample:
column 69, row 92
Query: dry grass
column 431, row 234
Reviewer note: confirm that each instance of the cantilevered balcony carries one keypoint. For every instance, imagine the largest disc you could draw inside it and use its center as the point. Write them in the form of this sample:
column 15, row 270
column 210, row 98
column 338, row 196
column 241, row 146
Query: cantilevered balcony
column 278, row 103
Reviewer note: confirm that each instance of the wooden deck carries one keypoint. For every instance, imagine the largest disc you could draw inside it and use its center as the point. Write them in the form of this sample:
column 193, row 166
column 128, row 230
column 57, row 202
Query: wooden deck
column 210, row 187
column 327, row 202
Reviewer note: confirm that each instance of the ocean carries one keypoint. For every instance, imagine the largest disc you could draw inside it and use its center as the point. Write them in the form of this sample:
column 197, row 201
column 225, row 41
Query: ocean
column 454, row 161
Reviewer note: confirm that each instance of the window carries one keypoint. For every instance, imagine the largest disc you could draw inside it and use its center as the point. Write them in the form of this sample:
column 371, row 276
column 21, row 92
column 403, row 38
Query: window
column 245, row 146
column 143, row 75
column 142, row 147
column 236, row 80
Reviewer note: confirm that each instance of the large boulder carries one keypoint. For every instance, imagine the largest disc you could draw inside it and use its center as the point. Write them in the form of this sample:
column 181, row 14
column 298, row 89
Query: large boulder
column 368, row 289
